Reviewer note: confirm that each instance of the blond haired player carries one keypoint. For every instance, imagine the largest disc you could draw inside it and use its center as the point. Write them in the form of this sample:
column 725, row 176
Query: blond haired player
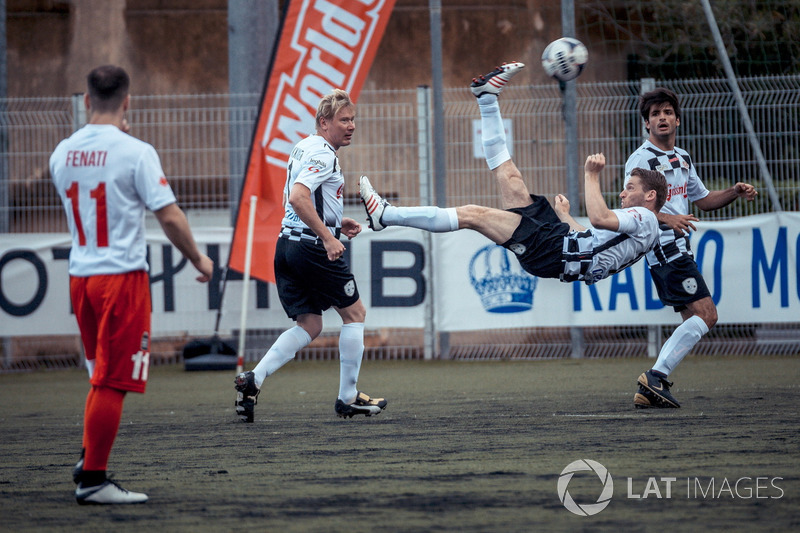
column 310, row 272
column 106, row 179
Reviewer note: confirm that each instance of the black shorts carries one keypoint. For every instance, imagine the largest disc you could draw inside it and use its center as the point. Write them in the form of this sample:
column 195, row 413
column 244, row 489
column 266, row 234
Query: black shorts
column 310, row 283
column 538, row 241
column 679, row 283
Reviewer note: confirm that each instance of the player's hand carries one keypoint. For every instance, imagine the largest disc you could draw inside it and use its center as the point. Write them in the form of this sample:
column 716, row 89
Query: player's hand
column 561, row 205
column 205, row 266
column 682, row 223
column 595, row 163
column 350, row 228
column 334, row 247
column 746, row 191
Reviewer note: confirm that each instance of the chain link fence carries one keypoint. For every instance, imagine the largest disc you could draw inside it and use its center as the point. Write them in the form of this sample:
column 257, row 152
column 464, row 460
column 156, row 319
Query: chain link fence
column 203, row 141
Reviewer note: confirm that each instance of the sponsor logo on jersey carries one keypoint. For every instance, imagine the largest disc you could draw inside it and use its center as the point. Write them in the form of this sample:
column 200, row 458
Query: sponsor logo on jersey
column 690, row 285
column 635, row 214
column 316, row 165
column 340, row 191
column 163, row 181
column 663, row 168
column 679, row 190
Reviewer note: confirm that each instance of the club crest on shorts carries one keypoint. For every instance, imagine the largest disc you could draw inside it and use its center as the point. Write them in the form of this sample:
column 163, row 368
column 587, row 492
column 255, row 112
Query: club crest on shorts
column 350, row 288
column 517, row 248
column 690, row 285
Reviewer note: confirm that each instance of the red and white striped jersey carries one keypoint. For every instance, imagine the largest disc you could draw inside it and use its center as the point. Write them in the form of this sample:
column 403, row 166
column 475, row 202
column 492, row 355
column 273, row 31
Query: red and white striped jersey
column 106, row 179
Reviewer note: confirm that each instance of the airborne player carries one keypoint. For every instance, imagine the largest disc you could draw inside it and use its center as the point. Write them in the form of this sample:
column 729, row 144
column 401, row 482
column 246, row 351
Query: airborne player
column 547, row 241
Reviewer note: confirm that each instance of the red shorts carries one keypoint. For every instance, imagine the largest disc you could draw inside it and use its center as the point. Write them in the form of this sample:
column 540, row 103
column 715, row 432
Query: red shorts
column 113, row 313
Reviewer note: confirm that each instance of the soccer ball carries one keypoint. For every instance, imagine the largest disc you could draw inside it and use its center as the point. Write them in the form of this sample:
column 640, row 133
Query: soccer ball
column 564, row 58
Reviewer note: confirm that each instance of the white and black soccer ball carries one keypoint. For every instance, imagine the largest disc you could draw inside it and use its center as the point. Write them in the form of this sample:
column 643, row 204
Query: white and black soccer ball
column 564, row 58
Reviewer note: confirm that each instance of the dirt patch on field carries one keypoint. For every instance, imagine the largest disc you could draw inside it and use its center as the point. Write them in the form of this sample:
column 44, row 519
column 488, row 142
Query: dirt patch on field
column 462, row 446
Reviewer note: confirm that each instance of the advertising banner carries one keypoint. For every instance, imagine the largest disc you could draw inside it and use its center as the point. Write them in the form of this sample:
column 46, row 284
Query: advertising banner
column 749, row 265
column 323, row 45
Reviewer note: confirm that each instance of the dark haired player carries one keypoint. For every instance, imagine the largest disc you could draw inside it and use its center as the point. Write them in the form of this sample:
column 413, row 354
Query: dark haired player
column 676, row 276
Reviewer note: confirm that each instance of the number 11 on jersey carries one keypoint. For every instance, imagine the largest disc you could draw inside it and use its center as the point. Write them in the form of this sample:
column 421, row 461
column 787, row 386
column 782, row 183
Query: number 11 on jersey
column 98, row 194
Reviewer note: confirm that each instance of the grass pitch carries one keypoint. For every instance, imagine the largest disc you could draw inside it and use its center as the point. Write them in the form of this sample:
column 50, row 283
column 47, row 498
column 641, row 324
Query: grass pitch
column 461, row 447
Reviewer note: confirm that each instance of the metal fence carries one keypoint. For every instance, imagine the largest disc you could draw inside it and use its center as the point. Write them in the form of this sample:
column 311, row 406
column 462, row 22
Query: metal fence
column 203, row 141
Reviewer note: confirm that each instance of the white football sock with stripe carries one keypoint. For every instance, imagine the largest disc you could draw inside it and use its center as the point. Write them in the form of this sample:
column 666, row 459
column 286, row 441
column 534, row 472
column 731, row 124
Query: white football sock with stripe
column 680, row 343
column 281, row 352
column 429, row 218
column 351, row 350
column 493, row 134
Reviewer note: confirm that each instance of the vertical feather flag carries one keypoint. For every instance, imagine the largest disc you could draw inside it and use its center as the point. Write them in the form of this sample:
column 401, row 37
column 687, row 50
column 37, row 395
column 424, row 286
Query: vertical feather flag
column 322, row 45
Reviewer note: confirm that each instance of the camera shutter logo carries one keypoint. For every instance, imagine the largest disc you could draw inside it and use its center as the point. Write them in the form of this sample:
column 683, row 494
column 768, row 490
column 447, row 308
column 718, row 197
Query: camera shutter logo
column 586, row 509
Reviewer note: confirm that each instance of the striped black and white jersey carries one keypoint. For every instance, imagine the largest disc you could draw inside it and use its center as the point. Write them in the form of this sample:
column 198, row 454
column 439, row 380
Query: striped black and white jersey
column 683, row 184
column 314, row 163
column 596, row 254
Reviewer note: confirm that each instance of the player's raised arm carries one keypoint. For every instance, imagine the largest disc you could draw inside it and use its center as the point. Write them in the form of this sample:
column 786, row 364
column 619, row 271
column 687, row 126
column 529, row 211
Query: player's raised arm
column 561, row 208
column 600, row 216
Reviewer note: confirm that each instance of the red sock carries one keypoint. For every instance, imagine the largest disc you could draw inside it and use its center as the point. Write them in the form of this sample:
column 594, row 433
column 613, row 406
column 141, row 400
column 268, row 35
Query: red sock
column 100, row 425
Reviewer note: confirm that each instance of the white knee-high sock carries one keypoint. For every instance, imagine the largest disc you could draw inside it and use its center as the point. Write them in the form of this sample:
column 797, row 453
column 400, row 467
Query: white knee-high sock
column 351, row 349
column 281, row 352
column 429, row 218
column 493, row 135
column 680, row 343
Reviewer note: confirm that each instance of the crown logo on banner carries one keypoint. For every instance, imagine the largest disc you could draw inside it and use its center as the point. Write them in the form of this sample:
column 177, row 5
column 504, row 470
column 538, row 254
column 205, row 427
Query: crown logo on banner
column 499, row 280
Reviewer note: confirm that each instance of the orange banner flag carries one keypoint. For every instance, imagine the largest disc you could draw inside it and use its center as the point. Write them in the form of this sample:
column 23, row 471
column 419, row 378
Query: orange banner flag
column 323, row 44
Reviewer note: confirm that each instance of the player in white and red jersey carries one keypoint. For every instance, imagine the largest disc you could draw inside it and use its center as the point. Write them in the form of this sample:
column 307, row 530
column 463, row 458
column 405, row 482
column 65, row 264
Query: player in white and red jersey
column 310, row 272
column 676, row 276
column 106, row 180
column 547, row 241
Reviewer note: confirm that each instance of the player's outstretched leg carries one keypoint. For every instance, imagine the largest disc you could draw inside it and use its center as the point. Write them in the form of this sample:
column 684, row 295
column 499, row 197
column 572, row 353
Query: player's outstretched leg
column 373, row 203
column 654, row 392
column 494, row 81
column 382, row 214
column 362, row 405
column 247, row 395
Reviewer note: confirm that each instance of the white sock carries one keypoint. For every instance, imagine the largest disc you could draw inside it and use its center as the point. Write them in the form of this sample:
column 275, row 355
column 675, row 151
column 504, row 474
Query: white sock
column 281, row 352
column 493, row 135
column 351, row 349
column 680, row 343
column 429, row 218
